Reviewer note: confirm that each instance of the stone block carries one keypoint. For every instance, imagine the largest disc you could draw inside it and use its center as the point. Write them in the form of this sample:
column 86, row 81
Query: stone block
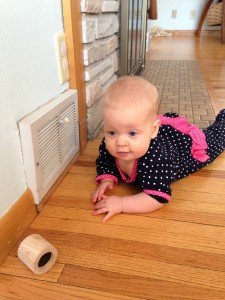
column 88, row 28
column 93, row 52
column 114, row 61
column 97, row 67
column 93, row 134
column 111, row 43
column 91, row 6
column 108, row 83
column 99, row 49
column 110, row 6
column 106, row 25
column 94, row 116
column 106, row 75
column 93, row 92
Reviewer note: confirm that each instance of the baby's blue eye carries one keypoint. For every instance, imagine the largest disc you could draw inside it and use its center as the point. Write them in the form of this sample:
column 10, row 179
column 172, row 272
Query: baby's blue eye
column 132, row 133
column 112, row 133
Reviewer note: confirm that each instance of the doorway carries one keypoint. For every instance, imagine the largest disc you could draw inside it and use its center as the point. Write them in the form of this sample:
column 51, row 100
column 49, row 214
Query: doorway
column 133, row 24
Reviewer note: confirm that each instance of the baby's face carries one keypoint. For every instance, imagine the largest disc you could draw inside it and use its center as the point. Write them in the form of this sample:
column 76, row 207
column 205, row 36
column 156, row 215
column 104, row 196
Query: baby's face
column 128, row 132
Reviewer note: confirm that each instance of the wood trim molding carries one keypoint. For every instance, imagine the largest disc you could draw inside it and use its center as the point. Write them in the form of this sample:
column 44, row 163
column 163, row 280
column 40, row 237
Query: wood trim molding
column 15, row 222
column 193, row 32
column 73, row 31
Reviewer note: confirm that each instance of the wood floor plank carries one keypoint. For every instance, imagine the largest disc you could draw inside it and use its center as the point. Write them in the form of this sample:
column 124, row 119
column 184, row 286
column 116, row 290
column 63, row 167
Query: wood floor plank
column 70, row 189
column 217, row 164
column 194, row 214
column 196, row 196
column 146, row 268
column 82, row 201
column 222, row 155
column 13, row 266
column 78, row 169
column 206, row 202
column 91, row 157
column 92, row 147
column 198, row 183
column 126, row 248
column 140, row 228
column 73, row 183
column 22, row 288
column 138, row 286
column 70, row 197
column 188, row 211
column 210, row 173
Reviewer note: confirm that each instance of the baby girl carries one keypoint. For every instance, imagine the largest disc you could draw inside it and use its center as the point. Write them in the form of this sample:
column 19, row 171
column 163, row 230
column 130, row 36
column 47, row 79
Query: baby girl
column 142, row 147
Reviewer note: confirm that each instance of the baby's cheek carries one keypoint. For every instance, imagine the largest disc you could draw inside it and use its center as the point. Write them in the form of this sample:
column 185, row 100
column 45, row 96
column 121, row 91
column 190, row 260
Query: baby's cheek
column 142, row 147
column 110, row 146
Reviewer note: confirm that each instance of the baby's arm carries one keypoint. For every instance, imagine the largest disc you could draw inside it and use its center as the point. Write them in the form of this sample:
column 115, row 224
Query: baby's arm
column 139, row 203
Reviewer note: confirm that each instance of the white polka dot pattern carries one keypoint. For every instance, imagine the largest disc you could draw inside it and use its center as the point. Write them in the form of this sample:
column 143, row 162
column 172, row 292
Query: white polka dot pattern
column 171, row 156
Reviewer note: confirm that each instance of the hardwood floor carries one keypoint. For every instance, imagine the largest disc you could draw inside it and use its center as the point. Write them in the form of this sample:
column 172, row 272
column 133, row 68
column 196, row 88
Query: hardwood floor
column 207, row 49
column 177, row 252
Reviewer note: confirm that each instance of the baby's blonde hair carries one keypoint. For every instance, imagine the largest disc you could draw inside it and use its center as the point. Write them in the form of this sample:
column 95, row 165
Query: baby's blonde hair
column 129, row 91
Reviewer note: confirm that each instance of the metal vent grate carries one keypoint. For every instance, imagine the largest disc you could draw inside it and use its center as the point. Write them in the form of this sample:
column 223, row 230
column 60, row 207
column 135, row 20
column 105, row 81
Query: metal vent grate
column 50, row 140
column 68, row 131
column 49, row 148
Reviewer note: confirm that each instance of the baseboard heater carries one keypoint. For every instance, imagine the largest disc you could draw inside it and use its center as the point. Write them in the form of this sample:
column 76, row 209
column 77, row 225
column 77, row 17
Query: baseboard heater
column 50, row 140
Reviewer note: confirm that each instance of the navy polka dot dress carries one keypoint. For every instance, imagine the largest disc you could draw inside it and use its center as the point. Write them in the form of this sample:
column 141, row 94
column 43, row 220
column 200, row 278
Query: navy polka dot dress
column 178, row 150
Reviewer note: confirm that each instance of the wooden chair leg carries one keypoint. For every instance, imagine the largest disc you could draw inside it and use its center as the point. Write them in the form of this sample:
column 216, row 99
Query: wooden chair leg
column 202, row 19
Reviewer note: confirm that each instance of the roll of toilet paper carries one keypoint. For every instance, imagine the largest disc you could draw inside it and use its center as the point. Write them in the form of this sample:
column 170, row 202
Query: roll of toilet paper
column 37, row 253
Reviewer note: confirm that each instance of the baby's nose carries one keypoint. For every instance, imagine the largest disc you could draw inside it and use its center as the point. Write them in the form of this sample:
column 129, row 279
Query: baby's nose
column 121, row 141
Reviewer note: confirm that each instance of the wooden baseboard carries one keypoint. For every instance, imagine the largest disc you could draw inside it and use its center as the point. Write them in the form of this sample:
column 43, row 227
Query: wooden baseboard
column 15, row 222
column 193, row 32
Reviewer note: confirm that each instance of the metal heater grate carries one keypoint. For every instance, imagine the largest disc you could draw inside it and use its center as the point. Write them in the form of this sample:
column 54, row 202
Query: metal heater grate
column 50, row 139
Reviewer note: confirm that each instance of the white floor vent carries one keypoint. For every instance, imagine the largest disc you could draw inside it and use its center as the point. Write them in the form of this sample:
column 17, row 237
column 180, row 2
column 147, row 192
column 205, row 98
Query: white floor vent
column 50, row 139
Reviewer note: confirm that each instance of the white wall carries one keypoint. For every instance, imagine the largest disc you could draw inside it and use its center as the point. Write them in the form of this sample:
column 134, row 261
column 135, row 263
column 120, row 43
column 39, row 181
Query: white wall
column 182, row 21
column 28, row 79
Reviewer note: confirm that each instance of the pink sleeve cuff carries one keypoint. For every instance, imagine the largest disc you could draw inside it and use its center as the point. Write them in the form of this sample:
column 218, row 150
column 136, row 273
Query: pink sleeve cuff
column 157, row 193
column 106, row 176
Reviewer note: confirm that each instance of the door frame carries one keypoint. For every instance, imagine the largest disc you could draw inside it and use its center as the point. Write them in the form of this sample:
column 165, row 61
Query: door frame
column 72, row 20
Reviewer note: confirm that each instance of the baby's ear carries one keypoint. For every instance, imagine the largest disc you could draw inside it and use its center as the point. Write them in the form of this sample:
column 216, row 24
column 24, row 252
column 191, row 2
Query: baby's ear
column 155, row 128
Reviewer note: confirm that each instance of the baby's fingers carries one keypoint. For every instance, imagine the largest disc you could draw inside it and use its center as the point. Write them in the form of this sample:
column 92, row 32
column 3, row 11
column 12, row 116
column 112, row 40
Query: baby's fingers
column 99, row 205
column 95, row 196
column 98, row 195
column 100, row 211
column 108, row 216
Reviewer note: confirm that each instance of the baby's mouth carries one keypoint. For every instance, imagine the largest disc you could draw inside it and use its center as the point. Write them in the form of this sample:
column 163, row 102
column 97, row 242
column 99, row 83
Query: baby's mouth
column 122, row 153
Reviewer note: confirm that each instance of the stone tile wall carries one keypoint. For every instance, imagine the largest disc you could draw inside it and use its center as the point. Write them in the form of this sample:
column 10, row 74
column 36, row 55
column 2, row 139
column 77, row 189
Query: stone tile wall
column 100, row 24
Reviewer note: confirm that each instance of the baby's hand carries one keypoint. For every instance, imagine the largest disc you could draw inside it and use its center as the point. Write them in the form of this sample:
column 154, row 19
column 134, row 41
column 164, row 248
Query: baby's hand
column 111, row 205
column 99, row 193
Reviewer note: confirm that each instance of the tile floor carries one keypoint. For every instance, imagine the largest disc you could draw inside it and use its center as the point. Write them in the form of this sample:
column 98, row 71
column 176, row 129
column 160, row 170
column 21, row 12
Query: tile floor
column 182, row 89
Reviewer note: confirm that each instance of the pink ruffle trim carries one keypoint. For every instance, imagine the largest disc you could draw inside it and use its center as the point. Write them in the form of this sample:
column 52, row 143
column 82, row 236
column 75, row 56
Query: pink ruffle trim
column 106, row 176
column 133, row 175
column 157, row 193
column 199, row 145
